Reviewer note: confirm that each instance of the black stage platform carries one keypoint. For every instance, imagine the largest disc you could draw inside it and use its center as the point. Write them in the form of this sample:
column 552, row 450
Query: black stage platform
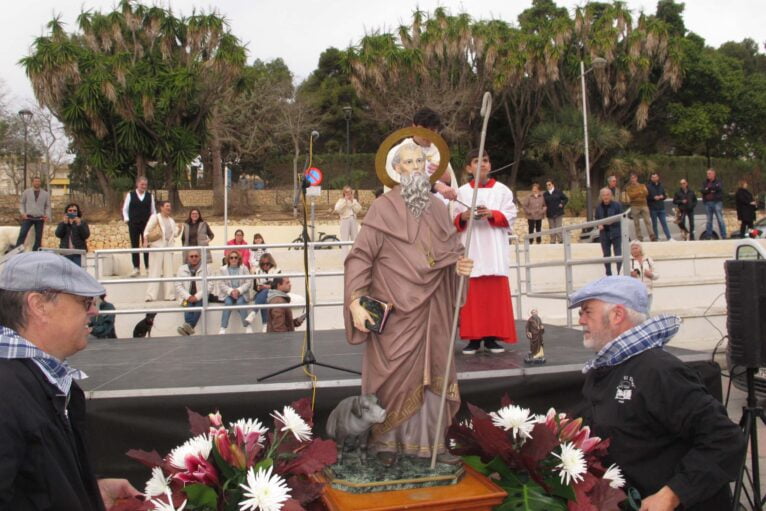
column 138, row 389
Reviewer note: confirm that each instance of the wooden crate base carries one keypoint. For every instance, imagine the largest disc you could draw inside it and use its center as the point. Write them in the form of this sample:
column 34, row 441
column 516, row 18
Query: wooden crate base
column 474, row 492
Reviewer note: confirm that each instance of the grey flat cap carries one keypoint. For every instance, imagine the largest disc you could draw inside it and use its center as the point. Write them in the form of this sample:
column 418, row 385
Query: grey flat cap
column 36, row 271
column 621, row 290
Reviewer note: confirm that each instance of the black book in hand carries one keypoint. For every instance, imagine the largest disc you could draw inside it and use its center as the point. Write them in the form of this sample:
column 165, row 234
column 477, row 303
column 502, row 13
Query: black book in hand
column 379, row 312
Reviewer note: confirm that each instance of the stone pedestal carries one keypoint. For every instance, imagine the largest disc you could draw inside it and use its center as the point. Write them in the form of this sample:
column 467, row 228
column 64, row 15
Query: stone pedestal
column 473, row 492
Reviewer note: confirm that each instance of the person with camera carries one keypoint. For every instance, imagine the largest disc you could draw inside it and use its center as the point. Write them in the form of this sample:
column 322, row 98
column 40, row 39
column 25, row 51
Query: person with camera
column 73, row 232
column 642, row 268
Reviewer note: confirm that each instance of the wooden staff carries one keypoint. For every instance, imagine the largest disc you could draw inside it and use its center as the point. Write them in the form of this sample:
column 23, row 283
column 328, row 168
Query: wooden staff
column 486, row 109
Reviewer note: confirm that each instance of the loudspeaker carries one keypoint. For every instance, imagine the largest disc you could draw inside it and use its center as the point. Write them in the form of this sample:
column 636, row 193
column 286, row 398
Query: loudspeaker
column 746, row 315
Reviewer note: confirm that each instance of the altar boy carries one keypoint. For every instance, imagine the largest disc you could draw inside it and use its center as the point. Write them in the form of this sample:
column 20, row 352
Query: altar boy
column 488, row 313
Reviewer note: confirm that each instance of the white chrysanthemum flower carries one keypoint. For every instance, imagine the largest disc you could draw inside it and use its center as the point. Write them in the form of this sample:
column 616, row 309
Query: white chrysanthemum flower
column 197, row 446
column 157, row 484
column 614, row 475
column 248, row 426
column 167, row 506
column 263, row 491
column 514, row 418
column 467, row 423
column 572, row 466
column 541, row 419
column 293, row 423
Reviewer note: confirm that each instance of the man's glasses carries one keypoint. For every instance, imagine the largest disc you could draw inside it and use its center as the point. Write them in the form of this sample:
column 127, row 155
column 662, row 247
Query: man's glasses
column 86, row 301
column 194, row 256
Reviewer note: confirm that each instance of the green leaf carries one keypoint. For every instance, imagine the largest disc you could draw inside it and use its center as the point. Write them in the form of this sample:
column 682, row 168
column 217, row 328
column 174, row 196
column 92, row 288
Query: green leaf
column 559, row 489
column 476, row 463
column 201, row 496
column 530, row 497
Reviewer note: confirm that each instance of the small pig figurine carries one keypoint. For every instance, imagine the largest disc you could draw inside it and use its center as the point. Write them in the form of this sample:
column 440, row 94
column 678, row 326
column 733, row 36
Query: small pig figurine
column 350, row 422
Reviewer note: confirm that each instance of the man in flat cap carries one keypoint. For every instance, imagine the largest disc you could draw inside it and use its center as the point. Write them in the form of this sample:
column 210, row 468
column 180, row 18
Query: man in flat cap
column 46, row 302
column 670, row 436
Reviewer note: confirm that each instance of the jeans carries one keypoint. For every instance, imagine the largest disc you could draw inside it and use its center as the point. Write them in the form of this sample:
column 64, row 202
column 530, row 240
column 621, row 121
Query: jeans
column 609, row 245
column 192, row 317
column 227, row 313
column 687, row 215
column 27, row 224
column 260, row 299
column 714, row 208
column 75, row 258
column 659, row 213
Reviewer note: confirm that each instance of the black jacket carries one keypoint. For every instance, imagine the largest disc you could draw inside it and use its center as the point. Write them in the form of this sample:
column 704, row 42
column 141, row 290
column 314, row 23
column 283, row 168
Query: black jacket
column 80, row 233
column 43, row 455
column 712, row 190
column 555, row 202
column 691, row 200
column 665, row 429
column 745, row 210
column 611, row 231
column 656, row 189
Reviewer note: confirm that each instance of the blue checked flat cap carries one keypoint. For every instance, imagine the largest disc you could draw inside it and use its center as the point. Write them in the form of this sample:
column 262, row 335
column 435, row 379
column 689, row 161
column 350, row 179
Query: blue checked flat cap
column 37, row 271
column 620, row 290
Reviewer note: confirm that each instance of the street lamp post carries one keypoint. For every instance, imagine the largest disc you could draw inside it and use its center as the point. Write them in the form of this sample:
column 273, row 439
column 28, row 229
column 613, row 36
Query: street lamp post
column 597, row 62
column 26, row 117
column 347, row 115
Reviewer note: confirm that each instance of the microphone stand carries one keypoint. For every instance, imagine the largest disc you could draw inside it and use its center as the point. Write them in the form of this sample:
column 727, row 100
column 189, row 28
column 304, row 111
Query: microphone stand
column 308, row 356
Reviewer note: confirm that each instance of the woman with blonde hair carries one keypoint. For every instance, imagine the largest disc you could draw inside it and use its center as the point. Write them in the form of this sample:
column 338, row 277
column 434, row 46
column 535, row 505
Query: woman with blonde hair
column 642, row 268
column 235, row 289
column 160, row 232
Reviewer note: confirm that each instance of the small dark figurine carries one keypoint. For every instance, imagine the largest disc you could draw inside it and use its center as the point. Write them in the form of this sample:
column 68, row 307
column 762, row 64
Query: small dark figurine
column 144, row 327
column 535, row 330
column 350, row 422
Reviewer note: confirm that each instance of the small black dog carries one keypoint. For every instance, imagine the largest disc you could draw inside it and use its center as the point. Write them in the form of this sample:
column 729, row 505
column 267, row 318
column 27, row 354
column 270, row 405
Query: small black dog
column 144, row 327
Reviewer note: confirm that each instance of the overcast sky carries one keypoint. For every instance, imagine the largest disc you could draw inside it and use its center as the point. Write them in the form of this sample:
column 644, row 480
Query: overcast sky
column 299, row 30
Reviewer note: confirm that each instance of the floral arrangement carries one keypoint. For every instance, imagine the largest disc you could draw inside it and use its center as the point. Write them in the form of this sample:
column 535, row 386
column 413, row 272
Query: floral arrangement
column 242, row 467
column 545, row 462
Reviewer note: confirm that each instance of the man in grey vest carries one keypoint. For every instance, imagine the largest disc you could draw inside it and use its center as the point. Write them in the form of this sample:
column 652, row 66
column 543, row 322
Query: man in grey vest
column 136, row 210
column 35, row 209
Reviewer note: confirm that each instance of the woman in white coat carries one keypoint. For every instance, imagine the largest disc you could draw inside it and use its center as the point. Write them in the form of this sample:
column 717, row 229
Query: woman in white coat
column 235, row 289
column 160, row 231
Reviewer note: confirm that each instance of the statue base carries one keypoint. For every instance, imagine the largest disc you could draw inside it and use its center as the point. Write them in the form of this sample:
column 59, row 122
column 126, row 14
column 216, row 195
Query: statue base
column 357, row 476
column 473, row 492
column 531, row 360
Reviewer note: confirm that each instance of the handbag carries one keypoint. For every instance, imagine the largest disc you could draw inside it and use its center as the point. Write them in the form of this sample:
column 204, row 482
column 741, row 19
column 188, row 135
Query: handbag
column 155, row 233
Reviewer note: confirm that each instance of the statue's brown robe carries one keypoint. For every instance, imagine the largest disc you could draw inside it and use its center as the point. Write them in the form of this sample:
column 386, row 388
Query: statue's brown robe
column 404, row 366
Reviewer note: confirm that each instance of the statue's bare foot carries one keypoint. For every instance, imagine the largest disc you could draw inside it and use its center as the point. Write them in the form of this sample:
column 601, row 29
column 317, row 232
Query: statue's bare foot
column 386, row 459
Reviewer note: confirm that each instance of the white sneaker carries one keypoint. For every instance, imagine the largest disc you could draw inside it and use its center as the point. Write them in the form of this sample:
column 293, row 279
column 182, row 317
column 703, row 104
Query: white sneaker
column 250, row 317
column 248, row 329
column 134, row 273
column 221, row 331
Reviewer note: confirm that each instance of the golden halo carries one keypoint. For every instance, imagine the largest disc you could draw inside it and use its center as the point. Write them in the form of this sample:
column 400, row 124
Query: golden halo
column 396, row 137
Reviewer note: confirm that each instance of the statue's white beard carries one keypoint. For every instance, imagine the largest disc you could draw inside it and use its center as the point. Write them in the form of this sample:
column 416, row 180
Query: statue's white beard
column 416, row 191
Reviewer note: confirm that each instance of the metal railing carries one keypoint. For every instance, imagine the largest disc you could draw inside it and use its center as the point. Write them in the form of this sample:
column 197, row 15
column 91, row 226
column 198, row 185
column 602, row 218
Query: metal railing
column 524, row 286
column 206, row 277
column 68, row 251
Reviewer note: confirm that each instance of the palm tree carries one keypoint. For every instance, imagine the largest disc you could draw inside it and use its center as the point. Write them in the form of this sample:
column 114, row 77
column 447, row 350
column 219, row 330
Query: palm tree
column 562, row 139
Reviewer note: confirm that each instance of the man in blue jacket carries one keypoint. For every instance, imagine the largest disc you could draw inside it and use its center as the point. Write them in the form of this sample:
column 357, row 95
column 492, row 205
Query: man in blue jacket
column 46, row 302
column 712, row 198
column 656, row 202
column 671, row 438
column 610, row 235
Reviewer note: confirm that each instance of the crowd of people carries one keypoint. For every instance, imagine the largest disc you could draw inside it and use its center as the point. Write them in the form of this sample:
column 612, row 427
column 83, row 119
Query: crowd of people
column 672, row 439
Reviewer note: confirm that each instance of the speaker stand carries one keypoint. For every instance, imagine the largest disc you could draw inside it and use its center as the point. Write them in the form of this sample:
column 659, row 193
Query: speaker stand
column 749, row 423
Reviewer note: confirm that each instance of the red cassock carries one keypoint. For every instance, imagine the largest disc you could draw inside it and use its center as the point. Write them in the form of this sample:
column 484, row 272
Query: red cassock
column 488, row 310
